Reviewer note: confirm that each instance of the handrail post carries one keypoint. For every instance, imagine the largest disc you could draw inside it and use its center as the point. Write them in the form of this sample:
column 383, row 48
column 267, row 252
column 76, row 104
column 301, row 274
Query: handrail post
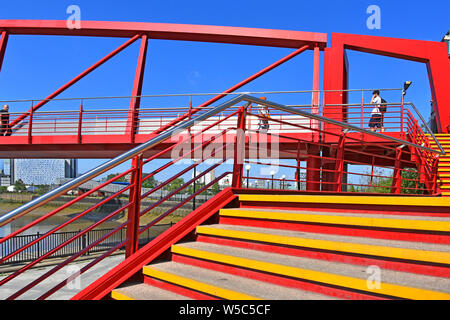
column 135, row 208
column 30, row 124
column 397, row 176
column 80, row 120
column 402, row 111
column 362, row 111
column 239, row 149
column 339, row 168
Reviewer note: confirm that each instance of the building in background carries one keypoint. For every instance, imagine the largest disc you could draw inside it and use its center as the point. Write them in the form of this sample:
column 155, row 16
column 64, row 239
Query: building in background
column 38, row 171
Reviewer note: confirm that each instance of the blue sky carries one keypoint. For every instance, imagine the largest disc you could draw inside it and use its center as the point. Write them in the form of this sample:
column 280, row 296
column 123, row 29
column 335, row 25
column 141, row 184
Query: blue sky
column 36, row 66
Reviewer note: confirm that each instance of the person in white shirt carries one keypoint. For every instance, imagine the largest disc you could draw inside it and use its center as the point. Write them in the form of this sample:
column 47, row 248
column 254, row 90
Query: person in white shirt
column 264, row 112
column 376, row 116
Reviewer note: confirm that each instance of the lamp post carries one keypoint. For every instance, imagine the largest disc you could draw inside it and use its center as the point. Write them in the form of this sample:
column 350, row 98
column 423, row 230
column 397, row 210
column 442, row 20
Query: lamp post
column 282, row 181
column 247, row 167
column 272, row 173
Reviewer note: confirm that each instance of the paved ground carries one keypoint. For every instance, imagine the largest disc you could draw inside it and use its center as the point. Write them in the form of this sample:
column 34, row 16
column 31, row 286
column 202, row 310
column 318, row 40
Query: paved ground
column 66, row 292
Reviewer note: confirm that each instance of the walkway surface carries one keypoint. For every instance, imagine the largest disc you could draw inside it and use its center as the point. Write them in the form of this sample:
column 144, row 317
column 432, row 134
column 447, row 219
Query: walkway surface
column 66, row 292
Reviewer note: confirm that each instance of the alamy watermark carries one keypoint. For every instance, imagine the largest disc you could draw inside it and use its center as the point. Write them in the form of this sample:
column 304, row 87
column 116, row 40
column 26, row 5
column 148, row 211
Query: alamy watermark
column 74, row 20
column 374, row 20
column 374, row 279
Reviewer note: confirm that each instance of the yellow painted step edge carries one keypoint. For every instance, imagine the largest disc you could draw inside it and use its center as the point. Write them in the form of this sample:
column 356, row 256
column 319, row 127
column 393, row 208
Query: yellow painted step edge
column 119, row 296
column 428, row 225
column 317, row 276
column 379, row 200
column 196, row 285
column 382, row 251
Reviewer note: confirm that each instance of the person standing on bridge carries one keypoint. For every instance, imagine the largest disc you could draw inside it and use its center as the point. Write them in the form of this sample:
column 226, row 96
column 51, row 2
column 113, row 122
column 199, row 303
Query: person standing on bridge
column 5, row 130
column 376, row 119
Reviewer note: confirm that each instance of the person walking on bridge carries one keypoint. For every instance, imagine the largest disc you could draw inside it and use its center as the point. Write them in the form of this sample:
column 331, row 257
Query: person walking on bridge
column 264, row 117
column 4, row 129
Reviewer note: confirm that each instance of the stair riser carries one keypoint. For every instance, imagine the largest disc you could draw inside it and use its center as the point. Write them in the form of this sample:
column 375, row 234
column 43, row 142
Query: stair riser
column 339, row 230
column 177, row 289
column 406, row 266
column 350, row 208
column 278, row 280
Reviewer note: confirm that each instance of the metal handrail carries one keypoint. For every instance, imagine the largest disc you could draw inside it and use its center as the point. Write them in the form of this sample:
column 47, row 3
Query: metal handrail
column 24, row 209
column 426, row 126
column 199, row 94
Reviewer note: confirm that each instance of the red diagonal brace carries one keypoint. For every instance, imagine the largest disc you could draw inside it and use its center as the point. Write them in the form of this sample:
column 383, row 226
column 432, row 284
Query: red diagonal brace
column 76, row 79
column 3, row 42
column 235, row 87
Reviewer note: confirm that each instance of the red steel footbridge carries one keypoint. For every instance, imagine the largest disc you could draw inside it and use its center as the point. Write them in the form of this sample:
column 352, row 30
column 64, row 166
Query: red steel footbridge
column 352, row 198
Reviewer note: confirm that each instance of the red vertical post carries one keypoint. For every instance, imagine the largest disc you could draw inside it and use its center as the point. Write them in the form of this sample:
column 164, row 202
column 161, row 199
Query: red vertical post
column 339, row 167
column 80, row 120
column 30, row 125
column 3, row 43
column 239, row 149
column 402, row 112
column 397, row 176
column 135, row 208
column 313, row 169
column 297, row 172
column 316, row 94
column 137, row 89
column 362, row 111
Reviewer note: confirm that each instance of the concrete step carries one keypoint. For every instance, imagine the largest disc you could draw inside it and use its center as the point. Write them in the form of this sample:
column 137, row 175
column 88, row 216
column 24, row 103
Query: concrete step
column 326, row 273
column 440, row 224
column 224, row 285
column 381, row 248
column 142, row 291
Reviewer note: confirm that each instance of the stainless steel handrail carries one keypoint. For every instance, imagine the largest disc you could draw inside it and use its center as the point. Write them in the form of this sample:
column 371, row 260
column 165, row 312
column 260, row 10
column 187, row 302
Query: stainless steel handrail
column 426, row 126
column 198, row 94
column 45, row 198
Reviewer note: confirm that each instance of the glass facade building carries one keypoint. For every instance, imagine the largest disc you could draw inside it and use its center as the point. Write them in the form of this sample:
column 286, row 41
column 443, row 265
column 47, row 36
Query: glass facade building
column 41, row 171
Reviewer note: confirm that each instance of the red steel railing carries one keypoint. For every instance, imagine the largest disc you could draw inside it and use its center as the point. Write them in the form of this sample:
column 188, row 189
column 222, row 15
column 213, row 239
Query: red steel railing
column 301, row 151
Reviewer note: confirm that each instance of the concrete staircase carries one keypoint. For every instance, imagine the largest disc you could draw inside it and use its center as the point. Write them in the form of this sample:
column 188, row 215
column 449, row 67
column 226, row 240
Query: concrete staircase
column 308, row 247
column 444, row 162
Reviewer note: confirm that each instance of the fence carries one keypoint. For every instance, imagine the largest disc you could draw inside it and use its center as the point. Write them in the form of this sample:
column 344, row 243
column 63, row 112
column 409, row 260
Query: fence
column 55, row 239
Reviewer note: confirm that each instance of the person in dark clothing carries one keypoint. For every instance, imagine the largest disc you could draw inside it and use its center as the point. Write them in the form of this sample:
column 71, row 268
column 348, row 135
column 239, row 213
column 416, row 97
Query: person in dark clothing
column 4, row 129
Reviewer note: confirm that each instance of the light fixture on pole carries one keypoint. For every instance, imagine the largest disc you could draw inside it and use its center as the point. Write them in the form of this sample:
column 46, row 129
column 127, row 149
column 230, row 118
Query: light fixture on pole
column 406, row 86
column 247, row 167
column 282, row 181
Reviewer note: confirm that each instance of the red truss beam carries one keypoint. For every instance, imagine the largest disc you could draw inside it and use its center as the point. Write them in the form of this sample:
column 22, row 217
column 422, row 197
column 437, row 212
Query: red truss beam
column 169, row 31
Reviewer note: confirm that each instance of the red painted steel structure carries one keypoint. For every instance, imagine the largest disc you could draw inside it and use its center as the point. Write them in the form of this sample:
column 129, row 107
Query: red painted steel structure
column 433, row 54
column 325, row 171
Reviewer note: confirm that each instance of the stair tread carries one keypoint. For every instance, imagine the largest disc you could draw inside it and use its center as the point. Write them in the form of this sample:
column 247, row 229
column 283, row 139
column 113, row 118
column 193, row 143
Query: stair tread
column 338, row 238
column 142, row 291
column 345, row 214
column 255, row 288
column 337, row 268
column 389, row 200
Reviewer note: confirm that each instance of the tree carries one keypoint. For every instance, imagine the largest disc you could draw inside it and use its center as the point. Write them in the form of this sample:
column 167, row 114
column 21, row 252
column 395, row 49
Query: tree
column 20, row 186
column 215, row 189
column 150, row 182
column 175, row 184
column 410, row 182
column 112, row 175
